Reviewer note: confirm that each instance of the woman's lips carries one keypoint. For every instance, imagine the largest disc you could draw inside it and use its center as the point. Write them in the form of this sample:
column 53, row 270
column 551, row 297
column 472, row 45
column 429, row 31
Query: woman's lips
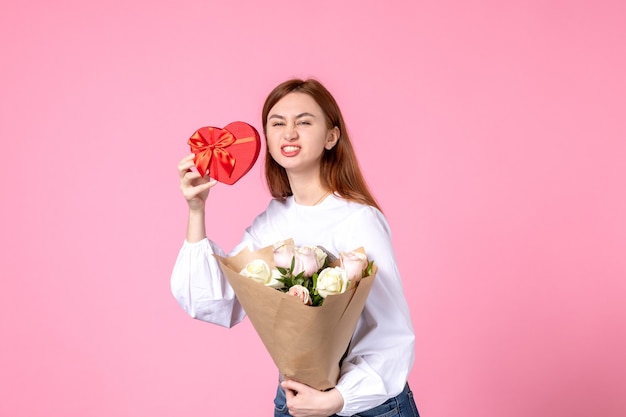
column 290, row 150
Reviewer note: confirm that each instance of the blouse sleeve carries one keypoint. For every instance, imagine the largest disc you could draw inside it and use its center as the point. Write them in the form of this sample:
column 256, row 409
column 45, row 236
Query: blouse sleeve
column 201, row 289
column 382, row 348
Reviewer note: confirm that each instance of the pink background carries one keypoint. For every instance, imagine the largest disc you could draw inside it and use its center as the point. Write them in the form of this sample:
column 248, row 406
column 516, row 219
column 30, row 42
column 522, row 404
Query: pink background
column 492, row 133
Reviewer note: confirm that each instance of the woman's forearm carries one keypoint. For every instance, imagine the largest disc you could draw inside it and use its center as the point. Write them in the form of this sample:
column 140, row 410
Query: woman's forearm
column 196, row 229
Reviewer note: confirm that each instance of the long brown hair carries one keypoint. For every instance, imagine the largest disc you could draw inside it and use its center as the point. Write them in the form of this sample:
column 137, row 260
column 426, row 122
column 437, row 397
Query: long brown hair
column 339, row 169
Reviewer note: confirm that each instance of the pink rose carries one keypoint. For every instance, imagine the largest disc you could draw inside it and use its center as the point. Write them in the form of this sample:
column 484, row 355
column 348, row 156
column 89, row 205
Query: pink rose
column 284, row 253
column 354, row 264
column 302, row 293
column 309, row 259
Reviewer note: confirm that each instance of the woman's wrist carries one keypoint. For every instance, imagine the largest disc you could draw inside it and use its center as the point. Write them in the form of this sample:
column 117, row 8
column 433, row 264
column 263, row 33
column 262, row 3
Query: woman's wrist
column 196, row 230
column 196, row 205
column 336, row 401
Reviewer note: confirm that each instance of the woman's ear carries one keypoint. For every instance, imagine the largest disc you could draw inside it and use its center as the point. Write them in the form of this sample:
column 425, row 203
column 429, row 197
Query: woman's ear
column 331, row 138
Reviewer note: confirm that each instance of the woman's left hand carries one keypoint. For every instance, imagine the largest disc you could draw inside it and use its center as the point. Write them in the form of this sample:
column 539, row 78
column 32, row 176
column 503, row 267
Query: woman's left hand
column 304, row 401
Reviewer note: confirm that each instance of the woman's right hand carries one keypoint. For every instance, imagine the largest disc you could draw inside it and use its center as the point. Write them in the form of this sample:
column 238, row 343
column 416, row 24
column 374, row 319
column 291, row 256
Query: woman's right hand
column 194, row 187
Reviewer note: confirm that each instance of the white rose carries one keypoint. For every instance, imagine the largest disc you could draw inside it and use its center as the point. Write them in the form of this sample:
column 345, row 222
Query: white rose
column 257, row 270
column 321, row 256
column 273, row 281
column 332, row 281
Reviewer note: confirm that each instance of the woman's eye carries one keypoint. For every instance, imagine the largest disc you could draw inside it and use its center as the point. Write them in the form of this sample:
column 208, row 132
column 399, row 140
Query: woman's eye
column 277, row 124
column 304, row 122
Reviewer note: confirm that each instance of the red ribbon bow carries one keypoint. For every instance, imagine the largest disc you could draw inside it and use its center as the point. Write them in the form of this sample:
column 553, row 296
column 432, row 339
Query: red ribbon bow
column 212, row 141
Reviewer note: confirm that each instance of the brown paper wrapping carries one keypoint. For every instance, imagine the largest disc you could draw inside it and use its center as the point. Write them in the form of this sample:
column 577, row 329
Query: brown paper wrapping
column 306, row 343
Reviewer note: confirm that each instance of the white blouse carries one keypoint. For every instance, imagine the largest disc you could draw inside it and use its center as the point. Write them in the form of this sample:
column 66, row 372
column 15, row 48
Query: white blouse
column 382, row 350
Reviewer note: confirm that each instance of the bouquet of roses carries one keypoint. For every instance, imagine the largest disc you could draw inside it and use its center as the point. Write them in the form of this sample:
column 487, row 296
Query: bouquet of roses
column 278, row 285
column 305, row 271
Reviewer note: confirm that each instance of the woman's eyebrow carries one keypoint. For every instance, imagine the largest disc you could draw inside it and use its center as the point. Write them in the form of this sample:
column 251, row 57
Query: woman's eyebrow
column 278, row 116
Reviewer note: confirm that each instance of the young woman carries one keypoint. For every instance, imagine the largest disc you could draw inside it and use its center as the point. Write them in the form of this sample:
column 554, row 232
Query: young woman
column 319, row 198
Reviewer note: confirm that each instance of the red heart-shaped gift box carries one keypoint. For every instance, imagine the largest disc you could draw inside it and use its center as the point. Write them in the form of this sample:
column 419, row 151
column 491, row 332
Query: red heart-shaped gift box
column 228, row 153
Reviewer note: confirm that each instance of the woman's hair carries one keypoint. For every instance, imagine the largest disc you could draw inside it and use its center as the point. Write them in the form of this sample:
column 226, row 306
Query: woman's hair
column 339, row 169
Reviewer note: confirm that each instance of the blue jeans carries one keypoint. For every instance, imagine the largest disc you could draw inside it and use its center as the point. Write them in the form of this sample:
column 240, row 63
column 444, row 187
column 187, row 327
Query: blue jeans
column 402, row 405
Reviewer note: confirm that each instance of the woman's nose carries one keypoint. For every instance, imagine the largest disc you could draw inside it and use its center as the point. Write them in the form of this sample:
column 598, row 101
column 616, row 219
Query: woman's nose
column 291, row 132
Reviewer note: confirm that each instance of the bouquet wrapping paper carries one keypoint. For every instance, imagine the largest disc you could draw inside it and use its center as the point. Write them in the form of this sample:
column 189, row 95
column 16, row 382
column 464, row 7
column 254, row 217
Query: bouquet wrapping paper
column 306, row 343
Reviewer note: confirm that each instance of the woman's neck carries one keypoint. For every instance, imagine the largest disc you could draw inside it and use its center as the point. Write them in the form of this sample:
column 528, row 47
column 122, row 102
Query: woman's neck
column 307, row 190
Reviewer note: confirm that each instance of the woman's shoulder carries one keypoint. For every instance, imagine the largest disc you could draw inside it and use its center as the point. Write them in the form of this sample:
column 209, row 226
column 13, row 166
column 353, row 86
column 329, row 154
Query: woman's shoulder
column 356, row 207
column 274, row 208
column 359, row 213
column 275, row 205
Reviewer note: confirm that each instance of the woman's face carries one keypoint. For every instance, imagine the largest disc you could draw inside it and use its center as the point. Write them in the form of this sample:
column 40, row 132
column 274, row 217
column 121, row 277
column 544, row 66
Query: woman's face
column 297, row 134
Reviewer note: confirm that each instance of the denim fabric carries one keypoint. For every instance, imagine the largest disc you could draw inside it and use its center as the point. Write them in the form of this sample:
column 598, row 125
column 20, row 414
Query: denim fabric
column 403, row 405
